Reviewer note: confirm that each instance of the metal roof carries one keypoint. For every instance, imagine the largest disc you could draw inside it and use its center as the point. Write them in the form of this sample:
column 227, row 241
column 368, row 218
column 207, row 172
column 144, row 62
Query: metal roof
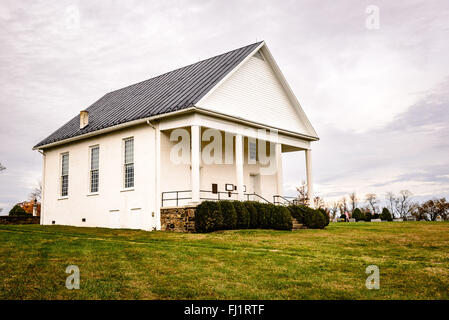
column 171, row 91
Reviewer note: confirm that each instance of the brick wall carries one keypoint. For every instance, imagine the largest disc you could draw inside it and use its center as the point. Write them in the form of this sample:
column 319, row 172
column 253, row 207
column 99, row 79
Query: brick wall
column 178, row 219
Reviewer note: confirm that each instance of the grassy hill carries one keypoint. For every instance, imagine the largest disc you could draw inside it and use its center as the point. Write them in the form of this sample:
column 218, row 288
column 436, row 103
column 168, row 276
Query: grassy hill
column 413, row 258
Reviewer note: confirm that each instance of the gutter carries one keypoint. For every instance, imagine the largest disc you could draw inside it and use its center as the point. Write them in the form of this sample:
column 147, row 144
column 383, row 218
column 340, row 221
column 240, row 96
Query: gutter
column 113, row 128
column 148, row 121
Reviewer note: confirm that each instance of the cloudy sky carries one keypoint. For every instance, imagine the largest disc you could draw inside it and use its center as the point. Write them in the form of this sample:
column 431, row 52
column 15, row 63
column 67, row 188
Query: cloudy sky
column 378, row 98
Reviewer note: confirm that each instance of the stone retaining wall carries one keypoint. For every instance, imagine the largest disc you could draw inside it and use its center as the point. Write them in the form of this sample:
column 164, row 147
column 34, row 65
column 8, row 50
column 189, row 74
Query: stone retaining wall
column 178, row 219
column 19, row 220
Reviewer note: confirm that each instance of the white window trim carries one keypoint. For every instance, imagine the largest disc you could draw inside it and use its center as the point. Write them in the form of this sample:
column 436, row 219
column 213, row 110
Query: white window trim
column 61, row 197
column 124, row 189
column 89, row 192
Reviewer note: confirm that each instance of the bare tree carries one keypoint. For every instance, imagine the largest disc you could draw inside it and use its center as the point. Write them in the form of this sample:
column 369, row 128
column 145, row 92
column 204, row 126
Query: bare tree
column 403, row 204
column 333, row 206
column 342, row 205
column 318, row 202
column 391, row 198
column 432, row 209
column 302, row 194
column 371, row 198
column 37, row 192
column 2, row 167
column 353, row 200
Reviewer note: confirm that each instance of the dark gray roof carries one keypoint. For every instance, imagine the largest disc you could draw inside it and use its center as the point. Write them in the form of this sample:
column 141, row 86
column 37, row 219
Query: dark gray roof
column 171, row 91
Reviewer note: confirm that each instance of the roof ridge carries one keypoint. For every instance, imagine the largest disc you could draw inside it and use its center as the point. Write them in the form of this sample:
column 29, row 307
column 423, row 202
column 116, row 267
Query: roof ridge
column 188, row 65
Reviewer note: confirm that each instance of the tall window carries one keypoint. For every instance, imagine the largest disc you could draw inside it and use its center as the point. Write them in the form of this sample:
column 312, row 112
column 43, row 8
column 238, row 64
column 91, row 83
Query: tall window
column 252, row 151
column 129, row 163
column 65, row 175
column 94, row 168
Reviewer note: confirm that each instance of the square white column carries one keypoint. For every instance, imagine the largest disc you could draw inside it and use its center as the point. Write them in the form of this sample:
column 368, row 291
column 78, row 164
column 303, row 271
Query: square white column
column 309, row 176
column 279, row 178
column 195, row 162
column 239, row 165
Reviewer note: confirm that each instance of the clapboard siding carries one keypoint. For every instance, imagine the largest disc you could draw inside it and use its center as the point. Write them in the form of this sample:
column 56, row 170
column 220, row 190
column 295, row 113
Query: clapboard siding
column 254, row 93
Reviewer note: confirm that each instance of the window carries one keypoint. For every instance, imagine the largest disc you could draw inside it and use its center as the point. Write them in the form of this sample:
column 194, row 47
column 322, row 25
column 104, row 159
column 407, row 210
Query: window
column 129, row 163
column 94, row 168
column 252, row 151
column 64, row 175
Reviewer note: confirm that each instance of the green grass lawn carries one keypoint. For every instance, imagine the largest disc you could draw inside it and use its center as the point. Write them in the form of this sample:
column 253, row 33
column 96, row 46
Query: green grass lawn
column 413, row 258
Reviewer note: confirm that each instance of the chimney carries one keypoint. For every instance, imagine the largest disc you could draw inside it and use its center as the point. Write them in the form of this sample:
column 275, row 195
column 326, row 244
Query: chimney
column 84, row 119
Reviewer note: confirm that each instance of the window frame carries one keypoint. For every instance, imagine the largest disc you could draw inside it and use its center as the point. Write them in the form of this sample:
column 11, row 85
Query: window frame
column 124, row 165
column 252, row 143
column 90, row 191
column 62, row 175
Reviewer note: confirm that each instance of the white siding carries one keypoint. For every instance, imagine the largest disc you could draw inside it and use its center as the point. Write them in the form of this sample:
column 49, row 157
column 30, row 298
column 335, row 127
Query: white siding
column 111, row 206
column 254, row 93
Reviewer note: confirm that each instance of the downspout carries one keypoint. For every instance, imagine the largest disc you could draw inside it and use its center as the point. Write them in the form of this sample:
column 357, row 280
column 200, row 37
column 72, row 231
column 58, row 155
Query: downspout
column 156, row 153
column 43, row 187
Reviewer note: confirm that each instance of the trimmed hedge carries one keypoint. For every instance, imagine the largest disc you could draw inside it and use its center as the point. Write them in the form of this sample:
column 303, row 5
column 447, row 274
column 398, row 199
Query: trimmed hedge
column 325, row 215
column 227, row 215
column 243, row 216
column 208, row 217
column 314, row 219
column 251, row 206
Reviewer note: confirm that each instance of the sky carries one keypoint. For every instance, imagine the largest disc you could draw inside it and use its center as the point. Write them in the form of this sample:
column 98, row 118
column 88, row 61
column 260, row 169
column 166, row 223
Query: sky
column 377, row 93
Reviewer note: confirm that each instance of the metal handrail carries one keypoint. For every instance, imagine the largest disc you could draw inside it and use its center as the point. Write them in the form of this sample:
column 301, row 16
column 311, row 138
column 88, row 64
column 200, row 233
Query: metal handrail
column 255, row 194
column 218, row 198
column 177, row 196
column 285, row 198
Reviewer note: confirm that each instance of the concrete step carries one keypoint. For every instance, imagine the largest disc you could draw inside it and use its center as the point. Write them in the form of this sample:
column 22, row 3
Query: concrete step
column 297, row 226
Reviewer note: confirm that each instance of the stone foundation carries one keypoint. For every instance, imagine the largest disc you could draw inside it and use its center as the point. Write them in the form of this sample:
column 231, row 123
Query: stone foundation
column 19, row 220
column 178, row 219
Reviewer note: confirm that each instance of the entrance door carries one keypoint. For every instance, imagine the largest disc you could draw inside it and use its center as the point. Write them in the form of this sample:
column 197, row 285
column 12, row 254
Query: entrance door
column 254, row 183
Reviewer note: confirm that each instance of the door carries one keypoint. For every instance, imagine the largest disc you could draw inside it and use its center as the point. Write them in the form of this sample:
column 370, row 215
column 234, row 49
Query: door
column 254, row 184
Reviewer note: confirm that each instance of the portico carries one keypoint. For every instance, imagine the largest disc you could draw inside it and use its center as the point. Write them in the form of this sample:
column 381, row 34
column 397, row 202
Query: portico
column 245, row 164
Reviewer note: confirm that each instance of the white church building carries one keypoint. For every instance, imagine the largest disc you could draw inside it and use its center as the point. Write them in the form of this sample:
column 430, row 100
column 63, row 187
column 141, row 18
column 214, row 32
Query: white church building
column 215, row 129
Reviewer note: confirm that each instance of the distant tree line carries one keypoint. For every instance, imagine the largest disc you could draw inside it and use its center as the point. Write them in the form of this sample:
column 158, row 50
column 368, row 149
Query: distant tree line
column 396, row 205
column 369, row 207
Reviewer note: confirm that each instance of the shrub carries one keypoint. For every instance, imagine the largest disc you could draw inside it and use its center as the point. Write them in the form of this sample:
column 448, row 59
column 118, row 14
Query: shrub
column 229, row 214
column 208, row 217
column 368, row 216
column 358, row 215
column 263, row 214
column 281, row 218
column 243, row 216
column 343, row 216
column 326, row 216
column 17, row 211
column 253, row 217
column 226, row 215
column 314, row 219
column 297, row 212
column 386, row 215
